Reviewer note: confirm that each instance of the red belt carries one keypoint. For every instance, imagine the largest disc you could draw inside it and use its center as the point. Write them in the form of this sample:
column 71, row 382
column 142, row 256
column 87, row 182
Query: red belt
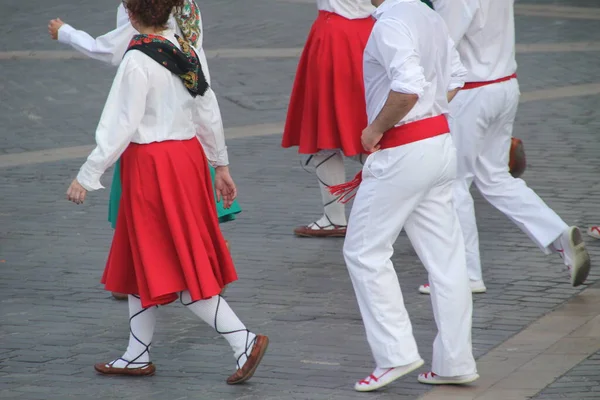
column 414, row 131
column 473, row 85
column 397, row 136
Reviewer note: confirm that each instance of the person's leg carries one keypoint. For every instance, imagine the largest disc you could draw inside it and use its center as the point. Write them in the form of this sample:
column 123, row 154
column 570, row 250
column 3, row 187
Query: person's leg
column 468, row 133
column 330, row 171
column 434, row 230
column 248, row 348
column 393, row 183
column 136, row 360
column 516, row 200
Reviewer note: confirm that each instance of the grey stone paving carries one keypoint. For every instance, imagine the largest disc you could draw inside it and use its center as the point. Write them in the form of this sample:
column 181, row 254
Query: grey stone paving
column 582, row 382
column 56, row 320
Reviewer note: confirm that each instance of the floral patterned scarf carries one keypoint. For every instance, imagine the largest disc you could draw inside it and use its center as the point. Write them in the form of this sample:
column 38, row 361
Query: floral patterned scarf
column 184, row 63
column 188, row 20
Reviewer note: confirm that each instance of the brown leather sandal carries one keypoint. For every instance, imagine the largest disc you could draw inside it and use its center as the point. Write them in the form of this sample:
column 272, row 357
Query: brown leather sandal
column 258, row 351
column 119, row 296
column 321, row 231
column 145, row 369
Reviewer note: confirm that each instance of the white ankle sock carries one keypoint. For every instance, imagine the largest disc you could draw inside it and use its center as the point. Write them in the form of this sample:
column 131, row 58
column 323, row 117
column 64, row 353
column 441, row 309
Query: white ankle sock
column 217, row 313
column 141, row 329
column 330, row 171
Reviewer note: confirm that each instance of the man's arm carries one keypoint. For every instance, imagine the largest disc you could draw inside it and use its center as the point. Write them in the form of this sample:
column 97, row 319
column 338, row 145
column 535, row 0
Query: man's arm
column 452, row 94
column 458, row 71
column 396, row 107
column 395, row 51
column 458, row 15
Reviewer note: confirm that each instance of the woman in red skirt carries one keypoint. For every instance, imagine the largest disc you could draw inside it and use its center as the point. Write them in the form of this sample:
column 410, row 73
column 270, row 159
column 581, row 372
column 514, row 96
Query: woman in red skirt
column 327, row 110
column 167, row 244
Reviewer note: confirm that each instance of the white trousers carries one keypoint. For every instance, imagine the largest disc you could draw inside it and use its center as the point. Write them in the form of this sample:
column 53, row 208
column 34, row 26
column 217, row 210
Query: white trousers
column 481, row 124
column 411, row 186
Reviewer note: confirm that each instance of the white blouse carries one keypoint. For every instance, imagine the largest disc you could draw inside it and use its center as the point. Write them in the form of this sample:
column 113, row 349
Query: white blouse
column 147, row 103
column 351, row 9
column 398, row 57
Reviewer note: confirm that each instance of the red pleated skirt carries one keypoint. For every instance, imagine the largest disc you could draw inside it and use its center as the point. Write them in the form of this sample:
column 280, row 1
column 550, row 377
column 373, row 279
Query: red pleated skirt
column 167, row 238
column 327, row 106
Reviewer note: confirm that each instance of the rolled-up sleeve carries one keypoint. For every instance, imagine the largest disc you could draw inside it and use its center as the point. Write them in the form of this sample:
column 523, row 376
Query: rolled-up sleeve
column 121, row 117
column 459, row 72
column 395, row 51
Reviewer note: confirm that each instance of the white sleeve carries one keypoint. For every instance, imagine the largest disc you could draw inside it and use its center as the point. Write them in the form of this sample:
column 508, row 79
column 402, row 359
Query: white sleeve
column 395, row 50
column 122, row 17
column 458, row 15
column 209, row 129
column 109, row 47
column 121, row 117
column 459, row 72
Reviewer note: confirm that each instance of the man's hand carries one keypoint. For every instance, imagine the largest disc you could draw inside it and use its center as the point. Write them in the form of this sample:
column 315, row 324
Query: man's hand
column 76, row 193
column 370, row 139
column 53, row 28
column 224, row 186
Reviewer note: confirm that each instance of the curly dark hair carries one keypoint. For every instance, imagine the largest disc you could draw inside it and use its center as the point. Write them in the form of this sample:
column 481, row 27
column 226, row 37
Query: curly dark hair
column 154, row 13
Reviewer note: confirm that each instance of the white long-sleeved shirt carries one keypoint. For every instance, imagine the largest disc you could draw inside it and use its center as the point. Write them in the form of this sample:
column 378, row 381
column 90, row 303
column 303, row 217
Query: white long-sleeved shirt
column 147, row 103
column 484, row 33
column 410, row 51
column 351, row 9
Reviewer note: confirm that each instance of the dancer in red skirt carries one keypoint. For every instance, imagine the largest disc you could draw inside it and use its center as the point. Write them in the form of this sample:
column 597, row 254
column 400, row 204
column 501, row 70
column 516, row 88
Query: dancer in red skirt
column 327, row 111
column 167, row 244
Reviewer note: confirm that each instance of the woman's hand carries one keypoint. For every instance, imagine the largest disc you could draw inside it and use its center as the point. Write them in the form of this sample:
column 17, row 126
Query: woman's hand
column 76, row 193
column 224, row 186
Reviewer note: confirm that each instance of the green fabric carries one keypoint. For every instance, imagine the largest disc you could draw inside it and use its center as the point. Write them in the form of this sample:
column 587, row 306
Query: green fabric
column 115, row 197
column 428, row 3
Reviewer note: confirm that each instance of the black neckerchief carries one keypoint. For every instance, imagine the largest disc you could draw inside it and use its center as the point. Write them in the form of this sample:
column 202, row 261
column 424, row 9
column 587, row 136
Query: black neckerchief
column 184, row 63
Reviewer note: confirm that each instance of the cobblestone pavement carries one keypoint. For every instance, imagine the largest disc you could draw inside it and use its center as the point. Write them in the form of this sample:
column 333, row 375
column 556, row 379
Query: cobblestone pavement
column 56, row 321
column 583, row 381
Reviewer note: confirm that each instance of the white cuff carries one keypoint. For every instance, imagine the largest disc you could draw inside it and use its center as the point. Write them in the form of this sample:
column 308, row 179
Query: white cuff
column 64, row 33
column 410, row 82
column 89, row 179
column 457, row 84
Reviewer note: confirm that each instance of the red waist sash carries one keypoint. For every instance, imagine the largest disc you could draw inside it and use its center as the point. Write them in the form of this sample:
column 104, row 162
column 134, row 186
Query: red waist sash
column 398, row 136
column 473, row 85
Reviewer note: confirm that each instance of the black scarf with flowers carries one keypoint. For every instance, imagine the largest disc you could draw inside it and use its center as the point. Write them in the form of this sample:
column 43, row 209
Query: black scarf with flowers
column 184, row 63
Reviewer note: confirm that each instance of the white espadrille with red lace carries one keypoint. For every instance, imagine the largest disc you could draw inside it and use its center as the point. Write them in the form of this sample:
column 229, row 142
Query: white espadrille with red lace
column 476, row 287
column 384, row 376
column 430, row 378
column 594, row 231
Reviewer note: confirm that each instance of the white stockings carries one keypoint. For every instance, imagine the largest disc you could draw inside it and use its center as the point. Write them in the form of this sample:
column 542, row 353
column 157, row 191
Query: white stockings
column 329, row 166
column 214, row 311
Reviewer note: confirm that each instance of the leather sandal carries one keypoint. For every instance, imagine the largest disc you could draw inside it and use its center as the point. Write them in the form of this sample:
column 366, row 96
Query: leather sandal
column 145, row 369
column 258, row 351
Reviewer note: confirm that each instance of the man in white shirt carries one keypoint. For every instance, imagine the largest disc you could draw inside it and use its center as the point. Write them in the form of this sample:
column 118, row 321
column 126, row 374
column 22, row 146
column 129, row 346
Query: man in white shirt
column 482, row 117
column 407, row 183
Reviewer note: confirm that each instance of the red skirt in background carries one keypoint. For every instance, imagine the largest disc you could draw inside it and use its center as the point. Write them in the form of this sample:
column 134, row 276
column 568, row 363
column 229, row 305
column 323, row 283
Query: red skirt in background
column 167, row 238
column 327, row 107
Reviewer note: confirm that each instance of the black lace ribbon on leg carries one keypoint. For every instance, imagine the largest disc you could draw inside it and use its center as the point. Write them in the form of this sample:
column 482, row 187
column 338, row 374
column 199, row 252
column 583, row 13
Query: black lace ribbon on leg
column 249, row 343
column 146, row 346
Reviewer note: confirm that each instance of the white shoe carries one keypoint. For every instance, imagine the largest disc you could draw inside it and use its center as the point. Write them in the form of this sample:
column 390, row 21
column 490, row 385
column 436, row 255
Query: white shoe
column 594, row 231
column 378, row 379
column 429, row 378
column 476, row 287
column 576, row 257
